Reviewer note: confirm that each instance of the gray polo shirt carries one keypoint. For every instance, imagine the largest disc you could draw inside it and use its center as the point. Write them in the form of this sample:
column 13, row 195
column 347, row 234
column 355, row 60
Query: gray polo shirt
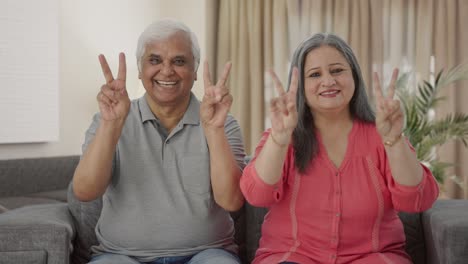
column 160, row 202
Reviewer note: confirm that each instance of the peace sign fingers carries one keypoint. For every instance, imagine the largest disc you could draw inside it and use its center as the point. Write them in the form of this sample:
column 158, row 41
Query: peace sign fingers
column 206, row 77
column 219, row 90
column 293, row 86
column 389, row 116
column 216, row 100
column 391, row 87
column 105, row 69
column 122, row 74
column 277, row 83
column 283, row 111
column 222, row 81
column 113, row 99
column 294, row 81
column 286, row 101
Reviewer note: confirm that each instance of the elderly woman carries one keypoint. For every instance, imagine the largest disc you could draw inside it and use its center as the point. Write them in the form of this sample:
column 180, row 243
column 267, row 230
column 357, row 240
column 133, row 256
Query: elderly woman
column 332, row 173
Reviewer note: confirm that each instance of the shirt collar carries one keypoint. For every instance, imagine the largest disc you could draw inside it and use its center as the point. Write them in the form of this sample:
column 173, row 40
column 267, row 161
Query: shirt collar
column 191, row 115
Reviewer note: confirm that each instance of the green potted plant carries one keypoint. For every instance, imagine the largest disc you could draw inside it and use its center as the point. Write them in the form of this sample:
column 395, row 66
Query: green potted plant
column 423, row 130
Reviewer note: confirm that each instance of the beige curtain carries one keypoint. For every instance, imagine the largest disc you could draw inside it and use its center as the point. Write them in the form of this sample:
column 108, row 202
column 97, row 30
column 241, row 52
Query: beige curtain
column 384, row 34
column 252, row 35
column 449, row 40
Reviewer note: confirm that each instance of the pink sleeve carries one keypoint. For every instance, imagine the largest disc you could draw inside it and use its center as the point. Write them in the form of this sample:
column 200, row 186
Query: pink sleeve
column 255, row 190
column 412, row 199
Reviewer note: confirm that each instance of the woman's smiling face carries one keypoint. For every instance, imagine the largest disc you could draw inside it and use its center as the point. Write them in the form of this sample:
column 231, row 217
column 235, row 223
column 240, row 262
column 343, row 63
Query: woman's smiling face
column 328, row 80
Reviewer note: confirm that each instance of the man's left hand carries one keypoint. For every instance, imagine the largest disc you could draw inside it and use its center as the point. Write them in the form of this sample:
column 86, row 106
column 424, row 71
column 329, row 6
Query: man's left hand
column 216, row 101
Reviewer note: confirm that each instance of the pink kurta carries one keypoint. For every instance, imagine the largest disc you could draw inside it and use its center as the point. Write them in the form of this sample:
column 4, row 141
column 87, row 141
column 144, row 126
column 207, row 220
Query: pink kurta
column 337, row 215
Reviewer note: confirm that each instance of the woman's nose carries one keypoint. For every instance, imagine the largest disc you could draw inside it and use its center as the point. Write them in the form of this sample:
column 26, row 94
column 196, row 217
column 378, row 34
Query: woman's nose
column 328, row 80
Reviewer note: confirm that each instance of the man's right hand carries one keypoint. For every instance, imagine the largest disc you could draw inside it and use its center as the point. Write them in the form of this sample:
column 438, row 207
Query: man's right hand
column 93, row 173
column 113, row 99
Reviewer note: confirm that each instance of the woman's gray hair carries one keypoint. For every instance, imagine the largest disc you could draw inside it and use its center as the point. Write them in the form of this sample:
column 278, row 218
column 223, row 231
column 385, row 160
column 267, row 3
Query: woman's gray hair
column 304, row 138
column 163, row 29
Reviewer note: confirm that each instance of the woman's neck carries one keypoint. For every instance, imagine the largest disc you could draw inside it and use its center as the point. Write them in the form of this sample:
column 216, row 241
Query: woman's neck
column 332, row 123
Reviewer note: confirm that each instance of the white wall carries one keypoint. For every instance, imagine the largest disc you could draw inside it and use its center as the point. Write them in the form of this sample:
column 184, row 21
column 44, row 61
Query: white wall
column 88, row 28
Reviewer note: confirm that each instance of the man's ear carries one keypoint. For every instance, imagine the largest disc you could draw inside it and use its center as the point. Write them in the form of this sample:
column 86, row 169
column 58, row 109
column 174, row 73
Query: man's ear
column 196, row 75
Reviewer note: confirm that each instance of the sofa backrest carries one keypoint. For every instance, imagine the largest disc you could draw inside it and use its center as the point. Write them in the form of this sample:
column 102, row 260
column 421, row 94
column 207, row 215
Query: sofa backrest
column 415, row 240
column 33, row 175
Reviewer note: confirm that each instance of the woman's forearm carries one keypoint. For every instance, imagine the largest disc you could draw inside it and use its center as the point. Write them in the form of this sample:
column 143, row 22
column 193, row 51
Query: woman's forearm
column 406, row 168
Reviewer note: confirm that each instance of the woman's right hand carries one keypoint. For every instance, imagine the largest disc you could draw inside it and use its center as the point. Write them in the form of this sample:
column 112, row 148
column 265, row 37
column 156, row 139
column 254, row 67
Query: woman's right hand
column 283, row 111
column 113, row 99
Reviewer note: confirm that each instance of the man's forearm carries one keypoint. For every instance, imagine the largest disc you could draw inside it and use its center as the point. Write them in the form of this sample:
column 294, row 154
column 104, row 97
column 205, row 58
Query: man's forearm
column 225, row 172
column 93, row 173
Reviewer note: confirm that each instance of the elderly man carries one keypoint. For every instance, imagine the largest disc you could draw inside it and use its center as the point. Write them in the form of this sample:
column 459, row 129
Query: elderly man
column 166, row 165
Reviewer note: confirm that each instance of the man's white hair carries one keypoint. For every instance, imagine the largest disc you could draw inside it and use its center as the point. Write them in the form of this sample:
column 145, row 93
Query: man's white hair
column 163, row 29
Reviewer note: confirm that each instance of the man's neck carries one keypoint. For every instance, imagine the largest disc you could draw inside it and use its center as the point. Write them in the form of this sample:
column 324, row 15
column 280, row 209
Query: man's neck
column 169, row 115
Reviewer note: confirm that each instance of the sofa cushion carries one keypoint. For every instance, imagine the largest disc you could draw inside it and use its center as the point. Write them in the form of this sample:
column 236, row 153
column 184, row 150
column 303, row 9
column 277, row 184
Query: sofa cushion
column 14, row 202
column 2, row 209
column 85, row 216
column 254, row 217
column 446, row 230
column 59, row 195
column 239, row 225
column 45, row 227
column 24, row 257
column 415, row 243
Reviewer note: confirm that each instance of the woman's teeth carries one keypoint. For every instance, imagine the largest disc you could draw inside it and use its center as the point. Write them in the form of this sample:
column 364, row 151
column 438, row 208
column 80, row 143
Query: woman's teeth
column 330, row 92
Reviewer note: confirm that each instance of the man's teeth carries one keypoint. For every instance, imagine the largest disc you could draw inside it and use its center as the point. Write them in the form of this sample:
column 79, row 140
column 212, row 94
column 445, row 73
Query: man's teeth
column 165, row 83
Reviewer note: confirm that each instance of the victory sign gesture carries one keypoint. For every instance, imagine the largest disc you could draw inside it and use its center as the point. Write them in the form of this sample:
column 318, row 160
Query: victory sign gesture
column 217, row 100
column 389, row 115
column 283, row 110
column 113, row 99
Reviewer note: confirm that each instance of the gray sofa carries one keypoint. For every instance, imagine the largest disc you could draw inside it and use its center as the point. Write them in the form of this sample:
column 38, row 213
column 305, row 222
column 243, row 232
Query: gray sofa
column 39, row 226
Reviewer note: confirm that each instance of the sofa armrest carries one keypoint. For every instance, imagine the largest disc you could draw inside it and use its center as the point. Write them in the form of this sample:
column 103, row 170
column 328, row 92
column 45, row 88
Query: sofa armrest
column 39, row 231
column 446, row 232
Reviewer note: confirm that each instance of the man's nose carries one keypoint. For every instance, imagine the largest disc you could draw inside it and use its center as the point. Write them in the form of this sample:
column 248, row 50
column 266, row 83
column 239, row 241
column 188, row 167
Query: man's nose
column 167, row 69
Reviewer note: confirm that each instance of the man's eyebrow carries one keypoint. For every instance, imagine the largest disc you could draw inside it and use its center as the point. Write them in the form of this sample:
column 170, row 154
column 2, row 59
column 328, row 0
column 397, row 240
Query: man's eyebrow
column 179, row 57
column 153, row 55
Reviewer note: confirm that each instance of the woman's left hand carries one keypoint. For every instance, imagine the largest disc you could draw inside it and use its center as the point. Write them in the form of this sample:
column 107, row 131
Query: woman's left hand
column 389, row 115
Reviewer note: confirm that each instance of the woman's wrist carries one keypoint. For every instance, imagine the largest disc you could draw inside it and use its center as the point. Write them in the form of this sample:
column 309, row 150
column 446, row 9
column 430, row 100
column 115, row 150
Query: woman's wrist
column 391, row 141
column 278, row 142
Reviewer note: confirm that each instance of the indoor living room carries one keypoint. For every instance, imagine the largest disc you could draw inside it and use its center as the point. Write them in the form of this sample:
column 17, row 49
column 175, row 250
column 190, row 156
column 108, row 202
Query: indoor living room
column 51, row 77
